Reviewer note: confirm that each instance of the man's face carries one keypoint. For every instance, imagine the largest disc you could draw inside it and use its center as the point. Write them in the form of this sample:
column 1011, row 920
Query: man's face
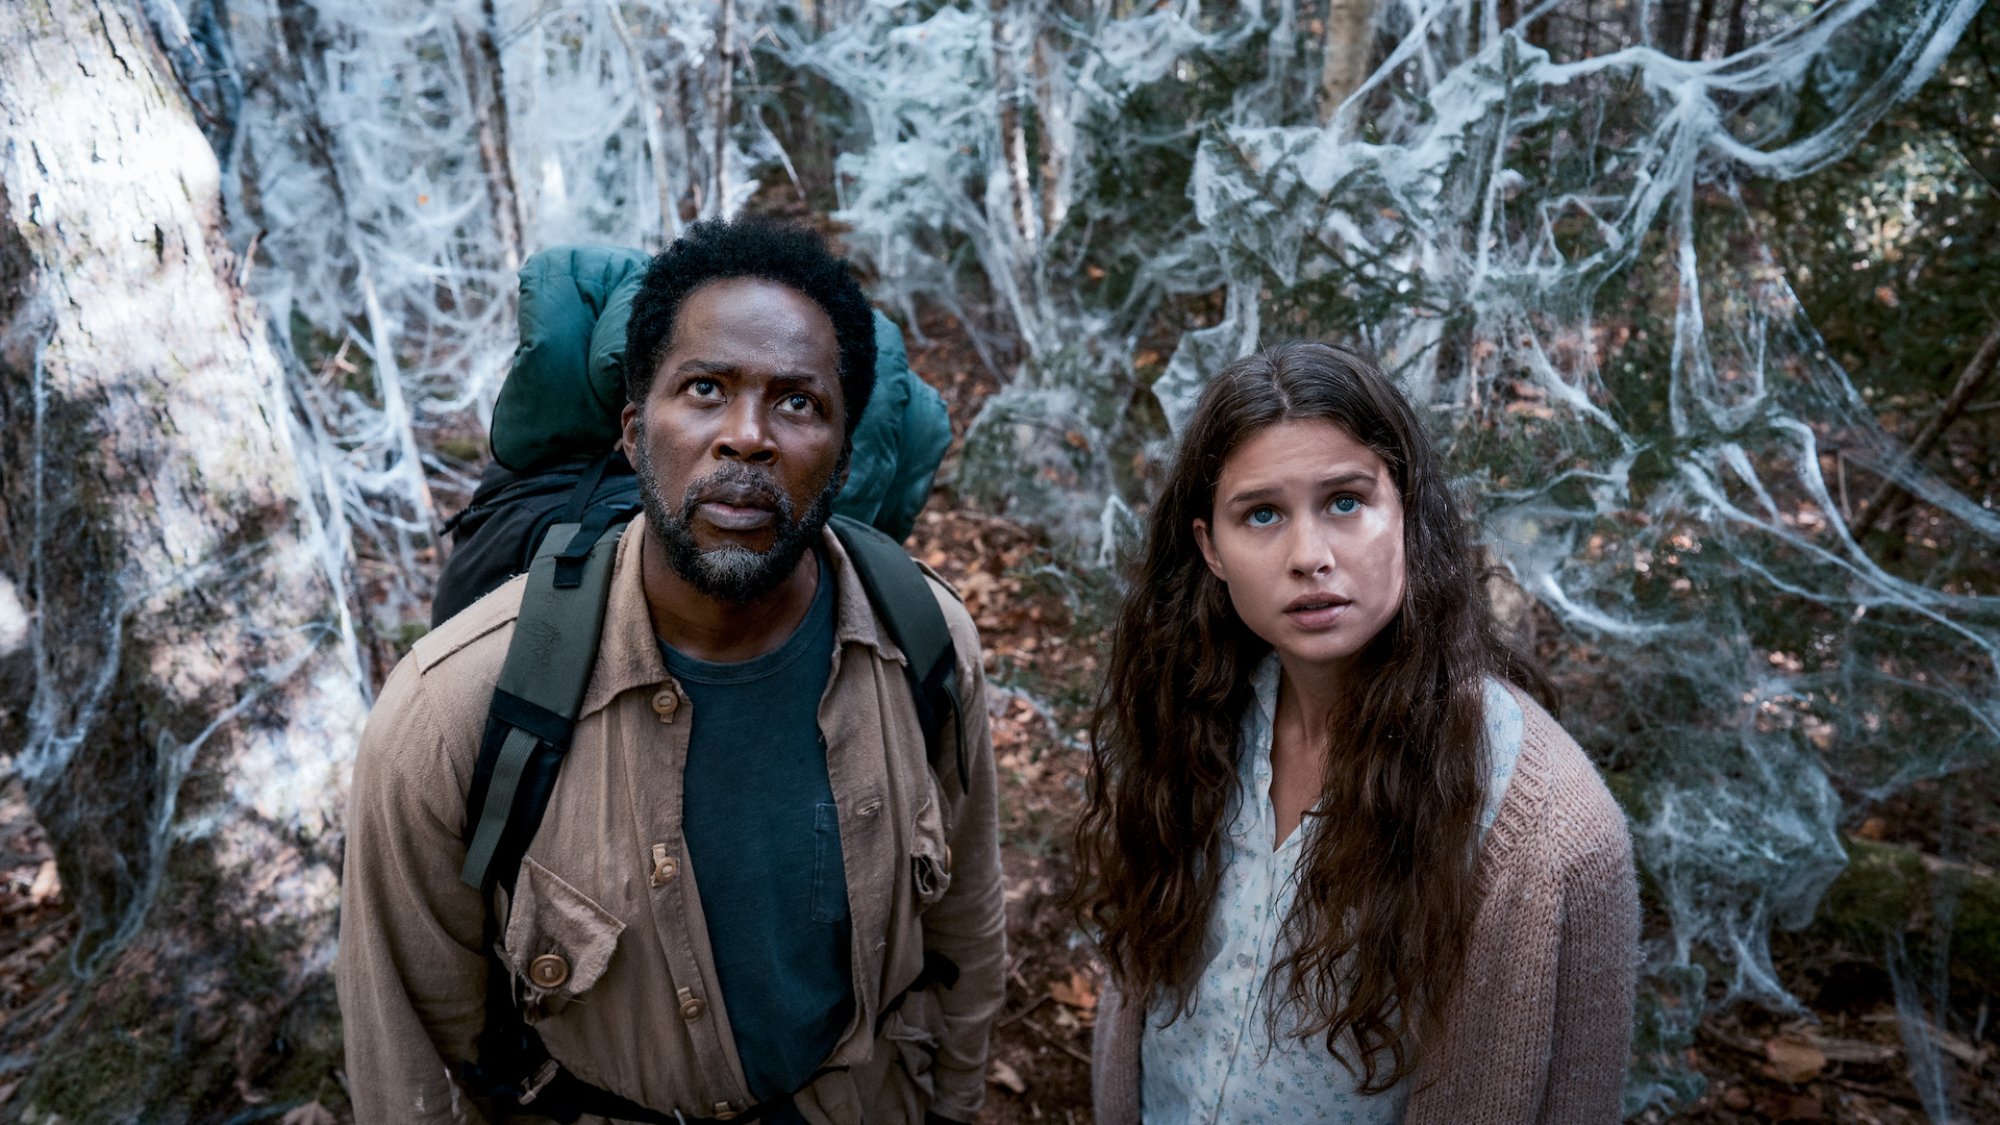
column 740, row 446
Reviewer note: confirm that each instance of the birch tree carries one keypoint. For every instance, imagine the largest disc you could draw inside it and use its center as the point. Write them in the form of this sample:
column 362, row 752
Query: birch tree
column 1348, row 55
column 181, row 698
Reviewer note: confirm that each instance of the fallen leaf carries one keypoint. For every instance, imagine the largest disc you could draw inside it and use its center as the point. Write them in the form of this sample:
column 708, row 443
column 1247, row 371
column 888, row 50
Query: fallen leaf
column 311, row 1113
column 1077, row 992
column 1794, row 1059
column 47, row 885
column 1005, row 1077
column 976, row 586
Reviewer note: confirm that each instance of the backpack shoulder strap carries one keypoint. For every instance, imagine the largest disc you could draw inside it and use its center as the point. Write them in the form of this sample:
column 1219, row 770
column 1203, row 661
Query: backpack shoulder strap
column 902, row 598
column 533, row 713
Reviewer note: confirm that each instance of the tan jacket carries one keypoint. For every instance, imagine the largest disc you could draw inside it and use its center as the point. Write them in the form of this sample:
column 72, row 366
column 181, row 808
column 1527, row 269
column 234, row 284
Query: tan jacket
column 1541, row 1028
column 605, row 885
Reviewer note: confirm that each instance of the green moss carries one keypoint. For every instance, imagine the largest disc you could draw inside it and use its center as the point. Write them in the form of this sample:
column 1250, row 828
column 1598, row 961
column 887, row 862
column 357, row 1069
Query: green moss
column 463, row 448
column 111, row 1062
column 1878, row 893
column 408, row 634
column 1888, row 889
column 1975, row 933
column 160, row 1041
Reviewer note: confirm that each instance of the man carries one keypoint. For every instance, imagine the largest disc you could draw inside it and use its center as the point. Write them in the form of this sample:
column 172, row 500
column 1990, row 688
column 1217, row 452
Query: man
column 747, row 868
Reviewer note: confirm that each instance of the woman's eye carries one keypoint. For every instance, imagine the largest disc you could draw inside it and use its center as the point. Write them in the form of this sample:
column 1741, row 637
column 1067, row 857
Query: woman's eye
column 1261, row 517
column 1346, row 505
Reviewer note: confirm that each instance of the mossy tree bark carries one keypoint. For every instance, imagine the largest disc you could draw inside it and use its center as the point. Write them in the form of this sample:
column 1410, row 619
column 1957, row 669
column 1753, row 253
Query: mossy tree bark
column 183, row 702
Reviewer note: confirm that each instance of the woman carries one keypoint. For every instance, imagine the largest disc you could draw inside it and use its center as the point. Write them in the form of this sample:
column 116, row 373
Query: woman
column 1341, row 866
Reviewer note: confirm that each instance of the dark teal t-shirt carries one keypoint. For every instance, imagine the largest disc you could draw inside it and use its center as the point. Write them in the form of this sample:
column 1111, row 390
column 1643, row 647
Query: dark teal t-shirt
column 763, row 838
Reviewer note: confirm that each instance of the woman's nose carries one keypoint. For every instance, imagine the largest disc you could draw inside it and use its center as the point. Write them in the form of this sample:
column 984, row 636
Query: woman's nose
column 1312, row 554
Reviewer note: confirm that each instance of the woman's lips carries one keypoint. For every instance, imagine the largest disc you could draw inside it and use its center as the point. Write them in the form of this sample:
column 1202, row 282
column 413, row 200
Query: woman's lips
column 1318, row 612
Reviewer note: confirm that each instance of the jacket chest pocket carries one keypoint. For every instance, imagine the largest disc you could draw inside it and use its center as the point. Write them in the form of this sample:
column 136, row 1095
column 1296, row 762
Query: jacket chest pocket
column 930, row 855
column 558, row 942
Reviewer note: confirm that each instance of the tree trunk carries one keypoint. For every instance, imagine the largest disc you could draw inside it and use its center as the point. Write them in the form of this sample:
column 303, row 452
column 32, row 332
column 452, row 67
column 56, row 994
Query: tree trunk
column 1013, row 91
column 1733, row 40
column 1349, row 54
column 1703, row 17
column 665, row 187
column 1671, row 32
column 479, row 47
column 183, row 703
column 725, row 88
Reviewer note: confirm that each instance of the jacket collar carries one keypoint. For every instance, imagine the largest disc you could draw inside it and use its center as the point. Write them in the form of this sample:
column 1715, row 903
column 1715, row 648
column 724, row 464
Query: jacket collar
column 628, row 654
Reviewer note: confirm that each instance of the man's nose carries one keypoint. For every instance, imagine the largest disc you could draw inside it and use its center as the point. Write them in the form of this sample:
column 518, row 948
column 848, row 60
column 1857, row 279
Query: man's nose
column 746, row 433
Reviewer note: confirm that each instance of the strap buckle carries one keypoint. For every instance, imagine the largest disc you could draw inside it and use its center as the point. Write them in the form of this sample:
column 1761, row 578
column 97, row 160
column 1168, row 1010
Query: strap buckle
column 543, row 1076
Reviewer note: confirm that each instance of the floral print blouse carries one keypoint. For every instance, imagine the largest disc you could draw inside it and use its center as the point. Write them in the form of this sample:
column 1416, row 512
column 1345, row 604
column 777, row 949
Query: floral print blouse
column 1219, row 1064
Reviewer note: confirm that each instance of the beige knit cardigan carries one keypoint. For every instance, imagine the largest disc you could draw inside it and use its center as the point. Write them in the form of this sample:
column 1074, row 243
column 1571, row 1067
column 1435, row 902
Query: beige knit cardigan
column 1541, row 1027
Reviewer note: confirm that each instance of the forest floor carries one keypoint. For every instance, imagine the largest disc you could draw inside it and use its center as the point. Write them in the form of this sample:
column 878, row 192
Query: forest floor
column 1845, row 1059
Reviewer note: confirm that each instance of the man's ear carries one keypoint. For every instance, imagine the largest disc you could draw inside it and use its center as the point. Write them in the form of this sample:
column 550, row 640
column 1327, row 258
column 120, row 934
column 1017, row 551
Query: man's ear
column 1206, row 542
column 628, row 425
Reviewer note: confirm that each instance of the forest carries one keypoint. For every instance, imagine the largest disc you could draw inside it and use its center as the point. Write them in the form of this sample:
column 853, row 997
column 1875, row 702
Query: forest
column 1702, row 297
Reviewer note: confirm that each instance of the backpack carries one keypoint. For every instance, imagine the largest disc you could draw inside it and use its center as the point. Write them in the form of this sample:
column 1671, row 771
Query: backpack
column 555, row 424
column 553, row 505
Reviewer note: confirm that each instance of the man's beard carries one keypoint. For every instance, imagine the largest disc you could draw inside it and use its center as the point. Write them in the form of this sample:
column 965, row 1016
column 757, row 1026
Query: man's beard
column 732, row 573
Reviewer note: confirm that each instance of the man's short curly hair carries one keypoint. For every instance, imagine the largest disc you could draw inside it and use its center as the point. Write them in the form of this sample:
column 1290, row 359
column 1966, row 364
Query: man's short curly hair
column 749, row 246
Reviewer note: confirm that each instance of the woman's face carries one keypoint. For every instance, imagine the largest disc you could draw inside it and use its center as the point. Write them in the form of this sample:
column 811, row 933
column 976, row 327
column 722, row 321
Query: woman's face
column 1307, row 532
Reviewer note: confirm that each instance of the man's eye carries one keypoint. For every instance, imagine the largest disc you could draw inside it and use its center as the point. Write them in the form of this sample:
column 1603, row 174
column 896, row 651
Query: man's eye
column 800, row 403
column 1346, row 505
column 1261, row 517
column 704, row 388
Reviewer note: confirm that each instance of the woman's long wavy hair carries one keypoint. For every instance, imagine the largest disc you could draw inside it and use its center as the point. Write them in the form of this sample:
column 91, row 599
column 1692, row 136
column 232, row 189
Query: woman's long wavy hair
column 1376, row 940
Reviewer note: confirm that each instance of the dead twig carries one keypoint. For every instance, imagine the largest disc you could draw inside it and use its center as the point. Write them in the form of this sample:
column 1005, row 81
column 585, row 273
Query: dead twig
column 1058, row 1043
column 1023, row 1013
column 1889, row 494
column 1873, row 1090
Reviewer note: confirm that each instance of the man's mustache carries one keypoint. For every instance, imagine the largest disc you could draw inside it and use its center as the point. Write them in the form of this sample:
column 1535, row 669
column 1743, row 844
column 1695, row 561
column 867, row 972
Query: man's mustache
column 739, row 486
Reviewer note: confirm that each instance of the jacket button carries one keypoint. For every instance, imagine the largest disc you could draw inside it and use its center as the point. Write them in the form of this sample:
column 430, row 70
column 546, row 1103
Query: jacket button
column 665, row 866
column 548, row 971
column 692, row 1008
column 665, row 702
